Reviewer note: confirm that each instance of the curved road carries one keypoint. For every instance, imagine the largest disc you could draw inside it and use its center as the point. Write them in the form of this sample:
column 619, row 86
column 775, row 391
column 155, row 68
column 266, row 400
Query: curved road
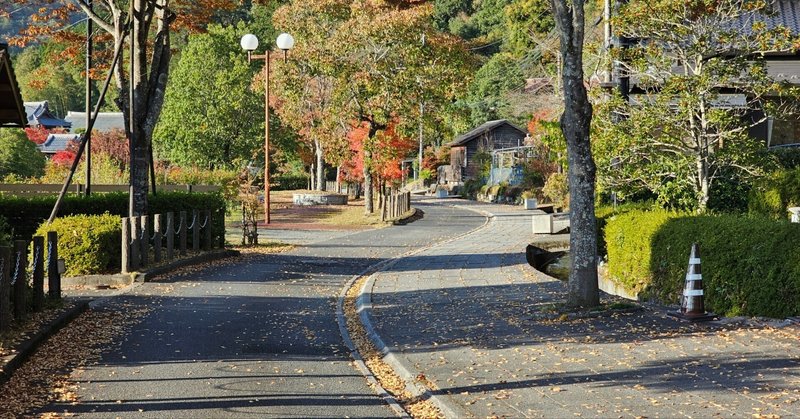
column 256, row 338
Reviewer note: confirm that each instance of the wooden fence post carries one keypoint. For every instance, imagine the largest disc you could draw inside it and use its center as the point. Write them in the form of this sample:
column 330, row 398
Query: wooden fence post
column 5, row 288
column 195, row 230
column 170, row 235
column 53, row 275
column 209, row 237
column 135, row 246
column 157, row 239
column 20, row 279
column 144, row 241
column 38, row 273
column 126, row 245
column 182, row 234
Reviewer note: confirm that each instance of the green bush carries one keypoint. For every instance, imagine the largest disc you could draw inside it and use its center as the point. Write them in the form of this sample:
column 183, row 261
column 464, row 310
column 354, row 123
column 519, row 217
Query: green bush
column 471, row 188
column 750, row 264
column 89, row 244
column 6, row 233
column 289, row 182
column 26, row 213
column 773, row 194
column 788, row 157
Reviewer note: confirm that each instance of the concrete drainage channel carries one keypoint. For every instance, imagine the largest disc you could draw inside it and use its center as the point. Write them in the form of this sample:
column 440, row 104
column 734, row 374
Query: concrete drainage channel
column 357, row 294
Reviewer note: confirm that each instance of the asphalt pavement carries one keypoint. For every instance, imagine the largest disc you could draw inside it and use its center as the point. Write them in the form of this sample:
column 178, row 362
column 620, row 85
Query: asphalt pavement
column 256, row 338
column 481, row 326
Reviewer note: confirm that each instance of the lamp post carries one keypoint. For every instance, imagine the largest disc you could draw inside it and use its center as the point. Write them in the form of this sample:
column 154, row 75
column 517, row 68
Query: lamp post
column 249, row 43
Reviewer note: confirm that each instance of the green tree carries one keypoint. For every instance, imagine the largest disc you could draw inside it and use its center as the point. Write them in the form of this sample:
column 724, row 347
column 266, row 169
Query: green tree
column 43, row 76
column 208, row 103
column 488, row 93
column 686, row 130
column 19, row 156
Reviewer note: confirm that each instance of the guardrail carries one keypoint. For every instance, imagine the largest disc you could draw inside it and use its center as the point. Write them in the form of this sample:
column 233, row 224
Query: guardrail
column 137, row 241
column 28, row 189
column 15, row 279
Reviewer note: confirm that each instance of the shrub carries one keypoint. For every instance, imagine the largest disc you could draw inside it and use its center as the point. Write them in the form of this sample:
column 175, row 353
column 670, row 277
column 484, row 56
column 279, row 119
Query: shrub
column 89, row 244
column 750, row 264
column 773, row 194
column 26, row 213
column 788, row 157
column 556, row 189
column 6, row 233
column 289, row 182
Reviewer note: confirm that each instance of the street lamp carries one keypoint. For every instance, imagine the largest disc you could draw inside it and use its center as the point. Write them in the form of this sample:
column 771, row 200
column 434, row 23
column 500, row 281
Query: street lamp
column 249, row 43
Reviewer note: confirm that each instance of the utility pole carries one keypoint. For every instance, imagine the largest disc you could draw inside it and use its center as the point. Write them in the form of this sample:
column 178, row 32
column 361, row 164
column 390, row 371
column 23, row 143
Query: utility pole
column 88, row 134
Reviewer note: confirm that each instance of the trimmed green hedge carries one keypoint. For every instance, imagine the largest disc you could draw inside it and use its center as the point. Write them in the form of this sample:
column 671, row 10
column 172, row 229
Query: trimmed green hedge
column 91, row 244
column 26, row 213
column 750, row 264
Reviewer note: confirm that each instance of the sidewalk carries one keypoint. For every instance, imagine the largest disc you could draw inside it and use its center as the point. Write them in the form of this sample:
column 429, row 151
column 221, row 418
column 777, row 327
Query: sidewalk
column 470, row 316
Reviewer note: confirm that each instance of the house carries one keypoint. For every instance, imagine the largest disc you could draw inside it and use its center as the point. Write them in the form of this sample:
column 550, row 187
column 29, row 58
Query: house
column 781, row 66
column 57, row 142
column 490, row 136
column 106, row 121
column 12, row 111
column 39, row 115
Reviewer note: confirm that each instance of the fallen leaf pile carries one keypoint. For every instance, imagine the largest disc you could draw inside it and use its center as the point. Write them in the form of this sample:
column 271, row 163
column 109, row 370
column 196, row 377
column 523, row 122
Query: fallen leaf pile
column 45, row 376
column 386, row 376
column 20, row 332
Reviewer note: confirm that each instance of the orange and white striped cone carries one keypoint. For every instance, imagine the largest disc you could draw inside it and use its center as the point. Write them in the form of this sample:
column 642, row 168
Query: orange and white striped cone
column 692, row 303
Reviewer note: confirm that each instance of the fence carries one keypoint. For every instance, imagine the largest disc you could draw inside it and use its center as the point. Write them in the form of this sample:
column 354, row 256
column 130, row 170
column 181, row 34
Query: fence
column 140, row 239
column 395, row 205
column 14, row 278
column 24, row 189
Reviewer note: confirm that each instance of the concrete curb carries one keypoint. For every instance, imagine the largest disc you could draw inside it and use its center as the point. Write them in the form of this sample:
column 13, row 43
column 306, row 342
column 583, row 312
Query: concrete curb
column 357, row 359
column 391, row 355
column 126, row 279
column 29, row 346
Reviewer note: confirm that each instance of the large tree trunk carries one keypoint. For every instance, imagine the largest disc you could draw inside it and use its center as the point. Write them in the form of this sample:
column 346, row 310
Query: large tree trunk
column 575, row 124
column 147, row 80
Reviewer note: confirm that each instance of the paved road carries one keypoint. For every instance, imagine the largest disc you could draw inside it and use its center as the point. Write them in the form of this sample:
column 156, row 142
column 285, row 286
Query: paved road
column 474, row 318
column 258, row 338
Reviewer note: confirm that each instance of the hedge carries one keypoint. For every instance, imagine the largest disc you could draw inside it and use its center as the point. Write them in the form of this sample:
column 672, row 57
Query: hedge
column 750, row 264
column 26, row 213
column 91, row 244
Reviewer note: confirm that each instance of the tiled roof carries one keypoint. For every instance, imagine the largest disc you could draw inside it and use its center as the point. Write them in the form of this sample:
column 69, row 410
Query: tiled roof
column 482, row 129
column 12, row 113
column 57, row 142
column 106, row 121
column 787, row 14
column 39, row 114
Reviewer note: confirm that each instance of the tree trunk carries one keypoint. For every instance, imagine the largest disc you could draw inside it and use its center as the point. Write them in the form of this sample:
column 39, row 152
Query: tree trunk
column 320, row 166
column 368, row 207
column 575, row 124
column 146, row 80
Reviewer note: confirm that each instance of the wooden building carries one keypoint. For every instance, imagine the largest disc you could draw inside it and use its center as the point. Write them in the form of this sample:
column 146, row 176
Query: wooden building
column 492, row 135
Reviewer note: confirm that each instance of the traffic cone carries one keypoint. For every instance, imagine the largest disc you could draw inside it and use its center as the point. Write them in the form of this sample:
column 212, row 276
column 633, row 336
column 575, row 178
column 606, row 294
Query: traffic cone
column 692, row 303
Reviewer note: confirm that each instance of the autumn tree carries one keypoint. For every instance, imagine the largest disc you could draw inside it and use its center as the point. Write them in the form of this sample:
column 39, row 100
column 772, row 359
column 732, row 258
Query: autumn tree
column 575, row 123
column 143, row 27
column 382, row 60
column 704, row 83
column 308, row 94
